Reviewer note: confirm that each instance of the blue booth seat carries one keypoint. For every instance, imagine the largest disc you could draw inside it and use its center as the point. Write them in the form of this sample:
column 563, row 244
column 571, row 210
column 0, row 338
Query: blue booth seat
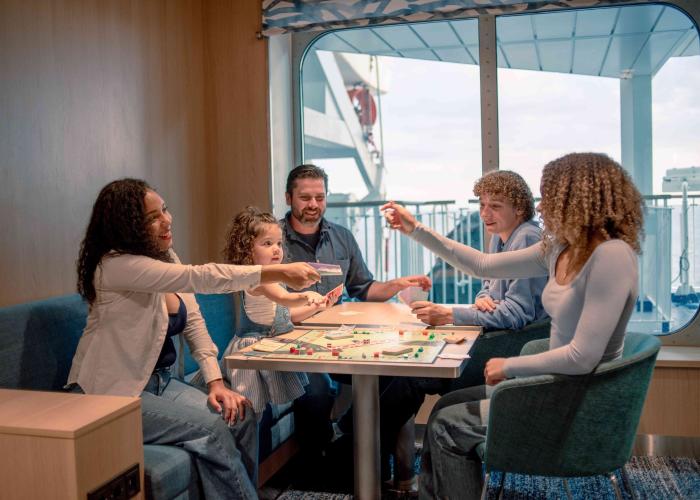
column 37, row 343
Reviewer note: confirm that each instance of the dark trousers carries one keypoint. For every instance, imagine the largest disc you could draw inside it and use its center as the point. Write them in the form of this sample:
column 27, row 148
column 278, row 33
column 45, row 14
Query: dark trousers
column 398, row 402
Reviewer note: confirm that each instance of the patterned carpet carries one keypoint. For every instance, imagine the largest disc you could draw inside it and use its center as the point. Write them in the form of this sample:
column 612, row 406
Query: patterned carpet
column 644, row 478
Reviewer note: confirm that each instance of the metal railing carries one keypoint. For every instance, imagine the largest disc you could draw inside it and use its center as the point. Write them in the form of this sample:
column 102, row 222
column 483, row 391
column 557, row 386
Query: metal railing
column 389, row 254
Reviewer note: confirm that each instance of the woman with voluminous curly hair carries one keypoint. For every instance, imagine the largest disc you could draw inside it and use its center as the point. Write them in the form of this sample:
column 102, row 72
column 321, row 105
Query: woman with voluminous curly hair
column 140, row 296
column 593, row 219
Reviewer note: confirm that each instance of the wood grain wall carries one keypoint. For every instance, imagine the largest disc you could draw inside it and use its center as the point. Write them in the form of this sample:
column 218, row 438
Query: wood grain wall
column 172, row 91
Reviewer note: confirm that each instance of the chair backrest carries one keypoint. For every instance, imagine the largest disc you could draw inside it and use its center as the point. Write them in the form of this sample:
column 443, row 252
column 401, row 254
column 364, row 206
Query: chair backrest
column 218, row 312
column 38, row 340
column 528, row 432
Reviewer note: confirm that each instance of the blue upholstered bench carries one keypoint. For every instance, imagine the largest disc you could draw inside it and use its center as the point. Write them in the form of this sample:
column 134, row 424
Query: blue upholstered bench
column 37, row 343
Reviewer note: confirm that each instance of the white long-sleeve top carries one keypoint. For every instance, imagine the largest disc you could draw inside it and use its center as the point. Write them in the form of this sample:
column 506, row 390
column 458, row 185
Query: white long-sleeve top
column 128, row 321
column 589, row 315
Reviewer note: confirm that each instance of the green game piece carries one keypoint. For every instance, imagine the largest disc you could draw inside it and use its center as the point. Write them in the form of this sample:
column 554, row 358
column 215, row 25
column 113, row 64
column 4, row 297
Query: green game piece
column 415, row 355
column 432, row 336
column 420, row 349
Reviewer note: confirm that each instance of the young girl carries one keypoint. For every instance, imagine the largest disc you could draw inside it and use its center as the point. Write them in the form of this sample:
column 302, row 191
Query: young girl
column 255, row 238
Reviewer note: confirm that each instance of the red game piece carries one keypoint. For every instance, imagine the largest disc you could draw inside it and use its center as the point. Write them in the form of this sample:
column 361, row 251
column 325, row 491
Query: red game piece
column 309, row 351
column 425, row 332
column 376, row 354
column 334, row 352
column 400, row 332
column 292, row 350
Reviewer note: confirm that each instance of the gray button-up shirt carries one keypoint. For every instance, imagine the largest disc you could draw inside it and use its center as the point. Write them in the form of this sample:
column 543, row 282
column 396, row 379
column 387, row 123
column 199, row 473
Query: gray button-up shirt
column 336, row 245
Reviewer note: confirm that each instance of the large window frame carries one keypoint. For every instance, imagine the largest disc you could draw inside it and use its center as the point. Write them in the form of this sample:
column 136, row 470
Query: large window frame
column 300, row 43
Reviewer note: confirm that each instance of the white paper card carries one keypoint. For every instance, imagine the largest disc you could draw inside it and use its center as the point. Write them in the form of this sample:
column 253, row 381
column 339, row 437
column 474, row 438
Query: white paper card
column 447, row 355
column 412, row 294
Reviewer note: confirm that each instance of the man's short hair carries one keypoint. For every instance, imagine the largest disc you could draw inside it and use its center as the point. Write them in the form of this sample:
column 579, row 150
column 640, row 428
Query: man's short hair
column 306, row 171
column 510, row 186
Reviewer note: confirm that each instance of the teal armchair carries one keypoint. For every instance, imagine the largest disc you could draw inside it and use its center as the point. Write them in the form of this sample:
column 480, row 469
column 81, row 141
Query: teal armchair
column 528, row 431
column 498, row 344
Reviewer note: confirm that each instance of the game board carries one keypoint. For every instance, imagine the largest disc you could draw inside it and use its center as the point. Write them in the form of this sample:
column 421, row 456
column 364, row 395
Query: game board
column 360, row 344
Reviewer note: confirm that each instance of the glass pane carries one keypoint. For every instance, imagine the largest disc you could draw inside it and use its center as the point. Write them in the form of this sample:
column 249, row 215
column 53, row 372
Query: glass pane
column 624, row 81
column 393, row 112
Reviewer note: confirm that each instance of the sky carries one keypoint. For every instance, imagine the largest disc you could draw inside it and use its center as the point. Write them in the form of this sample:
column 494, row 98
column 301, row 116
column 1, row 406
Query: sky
column 432, row 137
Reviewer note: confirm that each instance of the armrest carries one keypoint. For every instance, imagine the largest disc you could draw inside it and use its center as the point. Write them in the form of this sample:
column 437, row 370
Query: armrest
column 524, row 414
column 535, row 347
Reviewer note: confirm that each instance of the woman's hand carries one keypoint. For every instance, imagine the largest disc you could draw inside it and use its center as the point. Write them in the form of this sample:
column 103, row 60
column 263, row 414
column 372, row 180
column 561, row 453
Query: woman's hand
column 297, row 276
column 398, row 217
column 493, row 372
column 485, row 304
column 230, row 404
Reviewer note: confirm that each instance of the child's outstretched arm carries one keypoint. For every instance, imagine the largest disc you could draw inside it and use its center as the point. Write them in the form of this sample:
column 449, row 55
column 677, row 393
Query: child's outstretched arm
column 300, row 313
column 278, row 294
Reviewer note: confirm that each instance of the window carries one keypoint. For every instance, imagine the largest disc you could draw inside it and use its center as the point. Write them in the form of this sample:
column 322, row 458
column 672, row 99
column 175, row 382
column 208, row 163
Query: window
column 386, row 110
column 394, row 112
column 622, row 81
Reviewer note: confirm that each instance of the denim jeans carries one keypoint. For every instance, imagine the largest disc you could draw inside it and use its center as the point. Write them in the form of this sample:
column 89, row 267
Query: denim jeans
column 450, row 468
column 176, row 414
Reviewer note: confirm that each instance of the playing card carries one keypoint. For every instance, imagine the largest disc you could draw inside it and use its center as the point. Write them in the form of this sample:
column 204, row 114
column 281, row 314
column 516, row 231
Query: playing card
column 412, row 294
column 327, row 269
column 335, row 293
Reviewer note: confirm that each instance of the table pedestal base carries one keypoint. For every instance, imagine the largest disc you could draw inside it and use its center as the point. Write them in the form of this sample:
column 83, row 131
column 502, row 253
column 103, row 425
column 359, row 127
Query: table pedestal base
column 365, row 412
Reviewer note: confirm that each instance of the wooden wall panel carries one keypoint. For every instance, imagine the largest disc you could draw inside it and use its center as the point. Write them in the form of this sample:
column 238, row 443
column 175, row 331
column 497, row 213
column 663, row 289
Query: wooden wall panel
column 94, row 90
column 237, row 111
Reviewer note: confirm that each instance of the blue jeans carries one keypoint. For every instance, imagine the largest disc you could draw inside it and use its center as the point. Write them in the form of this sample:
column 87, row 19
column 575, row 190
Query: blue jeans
column 176, row 414
column 450, row 467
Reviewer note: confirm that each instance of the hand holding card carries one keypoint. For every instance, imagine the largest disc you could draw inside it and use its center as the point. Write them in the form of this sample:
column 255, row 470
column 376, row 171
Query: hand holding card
column 412, row 294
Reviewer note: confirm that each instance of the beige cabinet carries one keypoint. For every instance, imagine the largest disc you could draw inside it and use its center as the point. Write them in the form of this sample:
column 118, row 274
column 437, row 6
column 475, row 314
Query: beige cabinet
column 64, row 446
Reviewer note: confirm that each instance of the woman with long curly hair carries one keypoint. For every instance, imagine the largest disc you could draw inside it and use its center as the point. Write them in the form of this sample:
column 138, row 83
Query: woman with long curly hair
column 140, row 296
column 593, row 217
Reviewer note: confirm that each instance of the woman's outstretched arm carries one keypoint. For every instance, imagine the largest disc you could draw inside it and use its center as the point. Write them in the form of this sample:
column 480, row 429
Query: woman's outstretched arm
column 526, row 263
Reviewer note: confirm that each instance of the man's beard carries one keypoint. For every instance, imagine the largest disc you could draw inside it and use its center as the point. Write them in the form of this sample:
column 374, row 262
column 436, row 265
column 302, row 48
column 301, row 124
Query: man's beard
column 305, row 220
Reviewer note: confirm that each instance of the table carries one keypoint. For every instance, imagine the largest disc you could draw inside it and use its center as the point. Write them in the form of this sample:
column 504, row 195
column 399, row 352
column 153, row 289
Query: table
column 365, row 376
column 64, row 446
column 365, row 314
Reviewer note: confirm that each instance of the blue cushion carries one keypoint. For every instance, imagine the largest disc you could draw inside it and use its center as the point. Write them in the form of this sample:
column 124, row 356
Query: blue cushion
column 217, row 310
column 38, row 340
column 169, row 472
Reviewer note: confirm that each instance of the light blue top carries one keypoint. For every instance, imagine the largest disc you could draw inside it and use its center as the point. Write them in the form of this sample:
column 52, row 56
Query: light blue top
column 520, row 300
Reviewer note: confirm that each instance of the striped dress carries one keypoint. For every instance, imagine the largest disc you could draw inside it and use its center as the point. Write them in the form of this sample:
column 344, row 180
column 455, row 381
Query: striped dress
column 259, row 317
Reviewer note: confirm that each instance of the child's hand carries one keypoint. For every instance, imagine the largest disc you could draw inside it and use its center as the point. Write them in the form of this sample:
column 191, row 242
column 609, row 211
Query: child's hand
column 313, row 298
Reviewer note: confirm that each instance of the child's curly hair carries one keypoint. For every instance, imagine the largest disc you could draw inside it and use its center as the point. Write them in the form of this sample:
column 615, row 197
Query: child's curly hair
column 242, row 231
column 509, row 186
column 586, row 195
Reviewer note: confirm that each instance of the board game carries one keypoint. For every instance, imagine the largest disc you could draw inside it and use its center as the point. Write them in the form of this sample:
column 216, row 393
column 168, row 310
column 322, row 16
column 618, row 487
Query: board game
column 414, row 345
